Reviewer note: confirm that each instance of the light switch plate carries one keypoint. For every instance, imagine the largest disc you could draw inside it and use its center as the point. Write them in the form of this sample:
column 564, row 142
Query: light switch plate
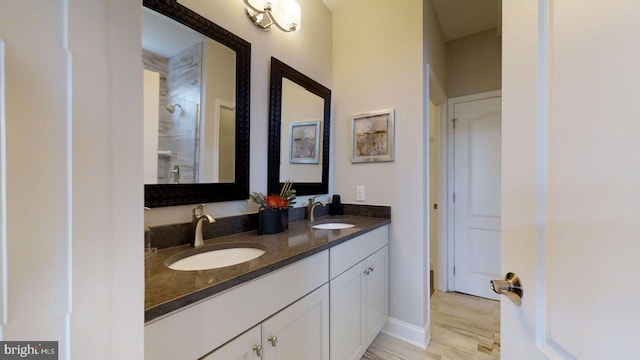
column 360, row 193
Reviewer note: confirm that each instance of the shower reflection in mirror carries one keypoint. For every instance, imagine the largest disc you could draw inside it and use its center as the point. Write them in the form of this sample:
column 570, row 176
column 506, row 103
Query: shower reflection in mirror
column 189, row 92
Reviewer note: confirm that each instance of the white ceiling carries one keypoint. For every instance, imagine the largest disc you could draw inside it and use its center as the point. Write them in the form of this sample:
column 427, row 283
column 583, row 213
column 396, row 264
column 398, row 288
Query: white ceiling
column 166, row 37
column 459, row 18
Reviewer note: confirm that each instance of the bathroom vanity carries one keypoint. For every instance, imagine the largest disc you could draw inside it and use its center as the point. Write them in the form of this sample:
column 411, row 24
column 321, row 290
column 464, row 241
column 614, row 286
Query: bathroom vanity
column 313, row 294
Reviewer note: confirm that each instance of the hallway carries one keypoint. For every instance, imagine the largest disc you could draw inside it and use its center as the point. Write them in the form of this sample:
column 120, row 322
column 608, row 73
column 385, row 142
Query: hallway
column 463, row 327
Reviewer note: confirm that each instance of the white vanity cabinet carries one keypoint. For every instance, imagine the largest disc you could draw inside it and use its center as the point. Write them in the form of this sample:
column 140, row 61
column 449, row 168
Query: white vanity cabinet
column 330, row 305
column 195, row 331
column 300, row 331
column 358, row 293
column 245, row 347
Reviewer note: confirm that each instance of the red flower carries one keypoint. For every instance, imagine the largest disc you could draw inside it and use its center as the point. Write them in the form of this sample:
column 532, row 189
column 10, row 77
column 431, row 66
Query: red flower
column 275, row 202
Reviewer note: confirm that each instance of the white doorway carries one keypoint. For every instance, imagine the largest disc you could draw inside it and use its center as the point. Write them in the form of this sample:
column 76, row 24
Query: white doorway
column 474, row 201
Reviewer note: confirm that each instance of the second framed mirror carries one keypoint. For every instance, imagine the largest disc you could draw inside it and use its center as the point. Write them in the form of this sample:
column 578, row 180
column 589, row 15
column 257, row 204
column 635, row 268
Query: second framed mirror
column 299, row 131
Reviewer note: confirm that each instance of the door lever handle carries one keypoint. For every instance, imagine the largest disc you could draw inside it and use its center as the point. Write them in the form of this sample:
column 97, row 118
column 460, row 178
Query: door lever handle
column 511, row 287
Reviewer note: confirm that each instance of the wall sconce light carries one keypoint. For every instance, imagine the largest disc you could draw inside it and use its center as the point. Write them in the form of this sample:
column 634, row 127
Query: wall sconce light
column 284, row 14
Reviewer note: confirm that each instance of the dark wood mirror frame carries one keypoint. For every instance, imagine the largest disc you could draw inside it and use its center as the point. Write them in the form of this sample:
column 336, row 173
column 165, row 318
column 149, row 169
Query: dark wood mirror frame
column 281, row 70
column 158, row 195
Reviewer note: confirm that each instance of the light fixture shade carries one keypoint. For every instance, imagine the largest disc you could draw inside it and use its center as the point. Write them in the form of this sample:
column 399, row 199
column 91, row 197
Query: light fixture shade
column 291, row 17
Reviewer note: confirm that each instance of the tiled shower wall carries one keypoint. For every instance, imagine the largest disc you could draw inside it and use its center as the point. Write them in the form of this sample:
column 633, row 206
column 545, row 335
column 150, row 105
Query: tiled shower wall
column 179, row 84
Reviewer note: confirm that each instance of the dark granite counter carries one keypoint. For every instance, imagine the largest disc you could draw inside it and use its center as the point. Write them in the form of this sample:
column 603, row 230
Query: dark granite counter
column 167, row 290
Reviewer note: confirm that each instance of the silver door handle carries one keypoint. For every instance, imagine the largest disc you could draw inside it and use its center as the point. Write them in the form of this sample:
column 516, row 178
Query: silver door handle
column 510, row 286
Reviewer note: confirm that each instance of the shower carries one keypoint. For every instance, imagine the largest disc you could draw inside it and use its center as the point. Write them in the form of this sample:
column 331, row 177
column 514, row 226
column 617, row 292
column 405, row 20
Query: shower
column 172, row 108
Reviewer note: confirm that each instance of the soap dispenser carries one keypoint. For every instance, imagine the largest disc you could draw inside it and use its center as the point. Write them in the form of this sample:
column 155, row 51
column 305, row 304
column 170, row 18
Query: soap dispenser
column 336, row 206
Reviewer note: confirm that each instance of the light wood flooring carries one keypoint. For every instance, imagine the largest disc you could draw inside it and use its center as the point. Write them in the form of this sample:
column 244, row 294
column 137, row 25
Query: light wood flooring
column 463, row 327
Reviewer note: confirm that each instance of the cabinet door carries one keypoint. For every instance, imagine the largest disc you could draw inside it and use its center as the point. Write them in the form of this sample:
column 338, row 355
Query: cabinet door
column 244, row 347
column 377, row 294
column 300, row 331
column 348, row 314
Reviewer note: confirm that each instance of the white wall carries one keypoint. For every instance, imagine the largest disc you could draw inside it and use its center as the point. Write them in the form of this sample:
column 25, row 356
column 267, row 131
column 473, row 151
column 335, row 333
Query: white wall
column 307, row 50
column 379, row 55
column 74, row 169
column 434, row 45
column 151, row 114
column 474, row 64
column 301, row 105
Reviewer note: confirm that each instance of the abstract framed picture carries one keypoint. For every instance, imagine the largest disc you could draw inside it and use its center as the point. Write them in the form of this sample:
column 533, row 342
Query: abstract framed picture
column 304, row 144
column 372, row 136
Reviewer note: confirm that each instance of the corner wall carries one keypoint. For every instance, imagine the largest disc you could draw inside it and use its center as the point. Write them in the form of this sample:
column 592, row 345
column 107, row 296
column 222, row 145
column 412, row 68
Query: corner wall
column 379, row 62
column 73, row 168
column 474, row 64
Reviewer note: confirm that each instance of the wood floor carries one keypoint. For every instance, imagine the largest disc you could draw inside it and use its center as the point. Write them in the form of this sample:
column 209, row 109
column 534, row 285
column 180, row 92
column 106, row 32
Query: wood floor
column 463, row 327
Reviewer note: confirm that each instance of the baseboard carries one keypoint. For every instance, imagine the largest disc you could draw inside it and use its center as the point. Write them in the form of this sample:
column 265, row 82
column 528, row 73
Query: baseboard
column 409, row 333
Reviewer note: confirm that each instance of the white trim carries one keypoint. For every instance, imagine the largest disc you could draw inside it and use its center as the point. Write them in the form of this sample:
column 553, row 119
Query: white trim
column 544, row 340
column 409, row 333
column 443, row 205
column 447, row 267
column 438, row 97
column 3, row 191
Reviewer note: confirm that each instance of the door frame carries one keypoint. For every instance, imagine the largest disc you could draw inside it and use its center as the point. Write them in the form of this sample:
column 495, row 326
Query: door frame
column 446, row 245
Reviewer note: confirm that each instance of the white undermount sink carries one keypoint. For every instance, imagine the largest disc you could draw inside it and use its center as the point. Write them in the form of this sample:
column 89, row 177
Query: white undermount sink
column 332, row 226
column 216, row 258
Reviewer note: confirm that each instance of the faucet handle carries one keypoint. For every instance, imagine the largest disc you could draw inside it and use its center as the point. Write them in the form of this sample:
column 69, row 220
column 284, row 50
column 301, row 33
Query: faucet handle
column 198, row 211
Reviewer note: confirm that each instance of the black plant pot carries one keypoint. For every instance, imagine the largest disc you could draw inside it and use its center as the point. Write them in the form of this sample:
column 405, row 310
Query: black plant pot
column 271, row 221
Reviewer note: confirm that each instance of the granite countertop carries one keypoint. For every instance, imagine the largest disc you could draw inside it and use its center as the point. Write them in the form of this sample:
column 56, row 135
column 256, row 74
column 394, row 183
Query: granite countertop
column 167, row 290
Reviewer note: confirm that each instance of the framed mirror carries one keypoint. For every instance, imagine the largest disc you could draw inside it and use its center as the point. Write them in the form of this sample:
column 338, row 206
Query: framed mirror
column 196, row 132
column 299, row 131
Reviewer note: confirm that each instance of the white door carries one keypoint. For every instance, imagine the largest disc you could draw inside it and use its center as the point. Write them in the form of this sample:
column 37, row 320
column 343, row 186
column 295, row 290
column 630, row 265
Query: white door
column 476, row 160
column 571, row 178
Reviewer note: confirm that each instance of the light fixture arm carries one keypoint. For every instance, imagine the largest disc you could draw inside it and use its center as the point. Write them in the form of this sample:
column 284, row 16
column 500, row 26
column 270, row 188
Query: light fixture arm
column 264, row 19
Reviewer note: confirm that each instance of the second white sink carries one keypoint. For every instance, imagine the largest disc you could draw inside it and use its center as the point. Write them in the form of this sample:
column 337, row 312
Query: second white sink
column 214, row 259
column 332, row 226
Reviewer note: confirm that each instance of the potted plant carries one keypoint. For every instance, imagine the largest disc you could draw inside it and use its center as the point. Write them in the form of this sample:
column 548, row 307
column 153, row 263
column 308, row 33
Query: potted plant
column 273, row 215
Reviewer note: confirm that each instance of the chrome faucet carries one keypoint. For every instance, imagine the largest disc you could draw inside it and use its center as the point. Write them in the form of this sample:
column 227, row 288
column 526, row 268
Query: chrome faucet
column 199, row 216
column 312, row 206
column 175, row 173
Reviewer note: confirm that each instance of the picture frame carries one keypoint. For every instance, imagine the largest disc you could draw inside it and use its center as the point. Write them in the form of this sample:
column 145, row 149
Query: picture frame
column 372, row 136
column 304, row 142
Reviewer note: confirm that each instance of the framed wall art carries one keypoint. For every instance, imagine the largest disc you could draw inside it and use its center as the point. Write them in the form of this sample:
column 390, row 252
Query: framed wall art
column 304, row 144
column 372, row 136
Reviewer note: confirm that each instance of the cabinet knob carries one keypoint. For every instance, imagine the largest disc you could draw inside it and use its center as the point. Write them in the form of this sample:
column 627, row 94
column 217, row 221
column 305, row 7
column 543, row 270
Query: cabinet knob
column 258, row 350
column 366, row 272
column 370, row 268
column 273, row 340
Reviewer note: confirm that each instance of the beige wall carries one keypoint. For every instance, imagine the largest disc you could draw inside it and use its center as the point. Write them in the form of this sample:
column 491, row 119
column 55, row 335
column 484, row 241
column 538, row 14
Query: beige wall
column 434, row 45
column 379, row 57
column 474, row 64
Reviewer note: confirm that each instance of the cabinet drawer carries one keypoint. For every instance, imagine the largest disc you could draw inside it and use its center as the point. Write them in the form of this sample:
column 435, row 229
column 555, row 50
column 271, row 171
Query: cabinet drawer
column 195, row 331
column 346, row 255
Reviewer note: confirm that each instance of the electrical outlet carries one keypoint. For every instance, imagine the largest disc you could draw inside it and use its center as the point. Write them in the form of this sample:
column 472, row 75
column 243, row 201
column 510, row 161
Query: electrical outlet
column 360, row 193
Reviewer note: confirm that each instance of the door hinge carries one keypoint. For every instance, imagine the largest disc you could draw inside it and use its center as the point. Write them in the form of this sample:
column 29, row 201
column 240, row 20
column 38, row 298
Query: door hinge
column 454, row 270
column 454, row 197
column 454, row 122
